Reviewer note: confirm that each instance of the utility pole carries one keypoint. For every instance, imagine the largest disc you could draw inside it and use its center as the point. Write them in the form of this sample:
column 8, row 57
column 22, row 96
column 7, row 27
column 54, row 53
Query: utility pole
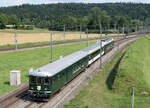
column 64, row 32
column 128, row 30
column 133, row 96
column 16, row 42
column 51, row 46
column 123, row 30
column 101, row 50
column 115, row 27
column 135, row 28
column 80, row 31
column 118, row 37
column 87, row 37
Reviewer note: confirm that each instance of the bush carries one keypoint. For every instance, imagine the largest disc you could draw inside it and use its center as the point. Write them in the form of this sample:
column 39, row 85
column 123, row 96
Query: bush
column 29, row 27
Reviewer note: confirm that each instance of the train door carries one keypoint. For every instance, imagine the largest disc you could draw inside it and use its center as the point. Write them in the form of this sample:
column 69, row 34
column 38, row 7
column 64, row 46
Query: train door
column 69, row 72
column 48, row 83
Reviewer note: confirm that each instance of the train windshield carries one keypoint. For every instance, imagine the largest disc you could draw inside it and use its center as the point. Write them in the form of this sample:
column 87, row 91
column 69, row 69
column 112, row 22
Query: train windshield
column 32, row 79
column 47, row 81
column 39, row 81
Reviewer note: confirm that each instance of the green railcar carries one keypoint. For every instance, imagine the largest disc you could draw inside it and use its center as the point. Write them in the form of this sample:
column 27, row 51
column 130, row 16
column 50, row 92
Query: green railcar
column 44, row 85
column 47, row 80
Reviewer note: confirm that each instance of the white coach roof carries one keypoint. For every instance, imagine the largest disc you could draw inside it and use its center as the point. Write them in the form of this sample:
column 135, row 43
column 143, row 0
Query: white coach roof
column 59, row 65
column 96, row 46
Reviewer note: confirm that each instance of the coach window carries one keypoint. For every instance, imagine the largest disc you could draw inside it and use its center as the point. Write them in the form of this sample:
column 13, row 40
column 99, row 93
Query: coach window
column 53, row 80
column 58, row 76
column 39, row 81
column 63, row 73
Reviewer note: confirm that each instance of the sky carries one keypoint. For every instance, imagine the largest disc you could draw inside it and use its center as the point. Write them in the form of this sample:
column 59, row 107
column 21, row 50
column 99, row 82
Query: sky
column 4, row 3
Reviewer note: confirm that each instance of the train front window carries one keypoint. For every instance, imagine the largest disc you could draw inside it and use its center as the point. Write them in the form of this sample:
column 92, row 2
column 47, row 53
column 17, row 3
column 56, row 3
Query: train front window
column 47, row 81
column 32, row 80
column 39, row 81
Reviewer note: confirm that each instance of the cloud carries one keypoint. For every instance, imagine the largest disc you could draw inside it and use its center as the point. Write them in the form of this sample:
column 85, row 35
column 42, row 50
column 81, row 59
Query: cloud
column 19, row 2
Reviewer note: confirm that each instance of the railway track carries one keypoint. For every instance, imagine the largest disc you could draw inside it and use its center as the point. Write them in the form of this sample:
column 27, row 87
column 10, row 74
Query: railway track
column 47, row 45
column 21, row 99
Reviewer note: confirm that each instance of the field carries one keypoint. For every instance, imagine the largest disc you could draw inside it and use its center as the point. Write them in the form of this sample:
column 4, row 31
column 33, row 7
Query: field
column 112, row 88
column 24, row 60
column 31, row 36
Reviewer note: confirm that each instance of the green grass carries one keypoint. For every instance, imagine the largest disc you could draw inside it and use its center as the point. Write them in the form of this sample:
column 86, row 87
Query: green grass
column 112, row 87
column 24, row 60
column 135, row 69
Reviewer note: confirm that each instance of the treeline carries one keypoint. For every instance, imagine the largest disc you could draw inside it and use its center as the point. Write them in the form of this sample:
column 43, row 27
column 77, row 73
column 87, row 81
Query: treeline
column 73, row 15
column 12, row 22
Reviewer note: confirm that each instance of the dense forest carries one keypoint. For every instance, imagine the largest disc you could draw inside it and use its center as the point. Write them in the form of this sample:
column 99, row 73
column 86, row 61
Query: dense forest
column 56, row 16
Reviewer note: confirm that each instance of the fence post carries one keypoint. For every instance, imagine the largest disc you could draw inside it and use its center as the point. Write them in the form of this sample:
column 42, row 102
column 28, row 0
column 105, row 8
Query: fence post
column 80, row 31
column 16, row 42
column 133, row 96
column 51, row 46
column 100, row 47
column 87, row 37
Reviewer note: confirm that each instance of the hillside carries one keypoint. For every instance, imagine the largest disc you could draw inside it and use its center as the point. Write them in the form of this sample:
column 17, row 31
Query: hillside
column 77, row 10
column 52, row 15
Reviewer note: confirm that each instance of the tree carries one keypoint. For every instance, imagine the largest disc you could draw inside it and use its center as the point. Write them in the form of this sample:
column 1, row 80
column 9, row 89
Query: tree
column 3, row 21
column 13, row 19
column 94, row 18
column 105, row 20
column 147, row 21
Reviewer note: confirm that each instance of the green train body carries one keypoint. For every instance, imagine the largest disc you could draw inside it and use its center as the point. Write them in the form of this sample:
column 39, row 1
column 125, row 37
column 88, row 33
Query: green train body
column 42, row 84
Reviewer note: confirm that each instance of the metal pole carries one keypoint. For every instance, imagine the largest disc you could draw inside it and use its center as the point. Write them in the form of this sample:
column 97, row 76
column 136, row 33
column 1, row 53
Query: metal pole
column 118, row 37
column 64, row 32
column 128, row 30
column 135, row 28
column 133, row 96
column 80, row 31
column 87, row 37
column 51, row 46
column 76, row 28
column 115, row 27
column 16, row 42
column 123, row 30
column 100, row 47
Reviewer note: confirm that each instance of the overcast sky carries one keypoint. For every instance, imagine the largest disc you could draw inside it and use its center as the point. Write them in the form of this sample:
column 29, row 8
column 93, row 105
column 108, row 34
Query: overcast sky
column 19, row 2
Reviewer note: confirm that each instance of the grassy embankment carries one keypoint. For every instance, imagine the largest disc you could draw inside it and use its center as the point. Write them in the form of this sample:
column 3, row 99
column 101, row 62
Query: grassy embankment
column 112, row 88
column 24, row 60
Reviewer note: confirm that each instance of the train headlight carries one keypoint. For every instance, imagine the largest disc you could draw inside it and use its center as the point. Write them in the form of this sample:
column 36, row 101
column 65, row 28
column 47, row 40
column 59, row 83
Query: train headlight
column 38, row 88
